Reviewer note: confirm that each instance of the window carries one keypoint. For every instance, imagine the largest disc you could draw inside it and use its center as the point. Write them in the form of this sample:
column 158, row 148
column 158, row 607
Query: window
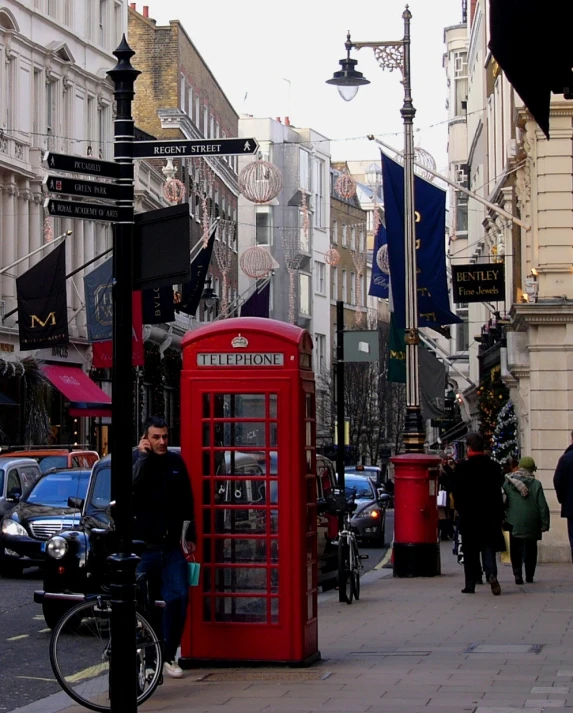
column 462, row 332
column 182, row 93
column 205, row 122
column 190, row 102
column 319, row 193
column 52, row 8
column 335, row 232
column 304, row 174
column 304, row 294
column 304, row 235
column 344, row 296
column 211, row 127
column 352, row 288
column 319, row 277
column 198, row 113
column 217, row 130
column 334, row 291
column 353, row 237
column 37, row 112
column 460, row 82
column 68, row 13
column 344, row 235
column 264, row 225
column 103, row 22
column 51, row 113
column 320, row 351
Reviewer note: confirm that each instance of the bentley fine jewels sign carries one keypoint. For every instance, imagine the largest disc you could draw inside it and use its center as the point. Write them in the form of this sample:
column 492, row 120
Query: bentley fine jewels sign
column 240, row 359
column 478, row 283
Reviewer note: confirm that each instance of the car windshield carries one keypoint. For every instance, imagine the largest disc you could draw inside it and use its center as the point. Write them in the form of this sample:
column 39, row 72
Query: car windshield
column 53, row 462
column 55, row 488
column 359, row 486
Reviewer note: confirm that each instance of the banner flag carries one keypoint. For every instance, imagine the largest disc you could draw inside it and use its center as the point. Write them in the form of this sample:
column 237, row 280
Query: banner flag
column 42, row 303
column 430, row 208
column 397, row 353
column 258, row 304
column 191, row 291
column 380, row 279
column 102, row 352
column 99, row 302
column 432, row 384
column 158, row 305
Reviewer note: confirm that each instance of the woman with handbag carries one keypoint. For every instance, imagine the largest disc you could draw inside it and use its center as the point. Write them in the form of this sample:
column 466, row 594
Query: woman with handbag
column 527, row 517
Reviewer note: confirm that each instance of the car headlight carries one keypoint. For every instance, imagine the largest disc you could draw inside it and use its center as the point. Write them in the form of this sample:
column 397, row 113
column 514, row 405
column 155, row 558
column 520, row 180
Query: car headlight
column 11, row 527
column 369, row 512
column 57, row 547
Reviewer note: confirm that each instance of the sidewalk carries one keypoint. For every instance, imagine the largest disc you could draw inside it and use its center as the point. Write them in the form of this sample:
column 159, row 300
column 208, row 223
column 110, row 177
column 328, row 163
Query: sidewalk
column 411, row 645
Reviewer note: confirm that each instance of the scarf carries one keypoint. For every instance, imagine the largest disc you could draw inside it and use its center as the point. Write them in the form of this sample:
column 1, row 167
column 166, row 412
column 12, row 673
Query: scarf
column 515, row 480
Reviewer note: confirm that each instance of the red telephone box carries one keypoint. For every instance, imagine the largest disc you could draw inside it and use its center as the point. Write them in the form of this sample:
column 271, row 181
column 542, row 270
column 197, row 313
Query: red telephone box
column 248, row 440
column 416, row 549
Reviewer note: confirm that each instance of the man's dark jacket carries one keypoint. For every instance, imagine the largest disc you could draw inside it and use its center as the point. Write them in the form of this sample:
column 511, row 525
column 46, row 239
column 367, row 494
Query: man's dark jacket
column 563, row 482
column 162, row 500
column 476, row 487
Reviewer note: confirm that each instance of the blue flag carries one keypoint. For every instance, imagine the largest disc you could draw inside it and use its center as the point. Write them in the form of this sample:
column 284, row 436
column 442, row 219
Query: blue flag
column 380, row 279
column 99, row 303
column 430, row 206
column 258, row 303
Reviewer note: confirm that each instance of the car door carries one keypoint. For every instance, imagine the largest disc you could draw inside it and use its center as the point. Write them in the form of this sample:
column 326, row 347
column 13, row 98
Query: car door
column 29, row 475
column 14, row 483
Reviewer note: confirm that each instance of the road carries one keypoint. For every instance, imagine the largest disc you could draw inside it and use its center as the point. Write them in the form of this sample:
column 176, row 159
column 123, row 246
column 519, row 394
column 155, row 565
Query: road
column 26, row 675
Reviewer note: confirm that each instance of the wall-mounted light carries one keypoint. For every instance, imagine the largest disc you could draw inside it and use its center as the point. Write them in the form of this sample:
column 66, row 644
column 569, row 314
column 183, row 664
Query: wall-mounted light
column 532, row 286
column 534, row 272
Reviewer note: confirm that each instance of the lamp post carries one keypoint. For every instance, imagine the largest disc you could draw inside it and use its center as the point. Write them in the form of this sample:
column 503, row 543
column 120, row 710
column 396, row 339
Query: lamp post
column 393, row 55
column 210, row 298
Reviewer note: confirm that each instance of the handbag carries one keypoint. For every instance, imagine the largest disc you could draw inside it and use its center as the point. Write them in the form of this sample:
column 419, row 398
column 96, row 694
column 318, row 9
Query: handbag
column 442, row 499
column 193, row 573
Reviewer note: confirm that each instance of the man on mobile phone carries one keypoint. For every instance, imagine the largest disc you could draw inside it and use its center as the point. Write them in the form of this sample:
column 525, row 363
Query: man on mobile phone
column 164, row 519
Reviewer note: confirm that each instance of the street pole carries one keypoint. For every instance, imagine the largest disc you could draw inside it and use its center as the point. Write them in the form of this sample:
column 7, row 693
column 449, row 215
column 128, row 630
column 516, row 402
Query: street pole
column 340, row 437
column 122, row 674
column 414, row 435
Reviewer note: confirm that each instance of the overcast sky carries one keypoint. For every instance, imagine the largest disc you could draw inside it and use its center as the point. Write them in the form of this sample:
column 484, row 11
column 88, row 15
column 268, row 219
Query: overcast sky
column 272, row 59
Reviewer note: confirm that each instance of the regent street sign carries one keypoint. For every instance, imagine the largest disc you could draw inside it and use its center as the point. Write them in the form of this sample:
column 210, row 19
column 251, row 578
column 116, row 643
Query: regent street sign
column 478, row 283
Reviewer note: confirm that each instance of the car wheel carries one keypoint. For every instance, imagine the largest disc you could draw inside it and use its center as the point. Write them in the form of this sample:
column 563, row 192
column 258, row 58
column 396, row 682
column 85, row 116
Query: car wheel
column 53, row 611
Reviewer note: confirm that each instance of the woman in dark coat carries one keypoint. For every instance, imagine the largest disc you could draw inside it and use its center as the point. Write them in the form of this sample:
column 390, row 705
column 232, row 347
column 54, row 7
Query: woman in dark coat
column 476, row 488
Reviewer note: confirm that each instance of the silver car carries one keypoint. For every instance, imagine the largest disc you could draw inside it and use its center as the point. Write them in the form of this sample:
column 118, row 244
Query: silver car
column 369, row 519
column 17, row 477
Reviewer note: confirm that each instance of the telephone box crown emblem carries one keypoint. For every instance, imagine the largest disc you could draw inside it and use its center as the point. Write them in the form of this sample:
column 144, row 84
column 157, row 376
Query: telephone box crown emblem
column 239, row 342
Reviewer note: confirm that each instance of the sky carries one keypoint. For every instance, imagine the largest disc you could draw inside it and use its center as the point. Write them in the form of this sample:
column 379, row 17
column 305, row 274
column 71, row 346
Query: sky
column 273, row 59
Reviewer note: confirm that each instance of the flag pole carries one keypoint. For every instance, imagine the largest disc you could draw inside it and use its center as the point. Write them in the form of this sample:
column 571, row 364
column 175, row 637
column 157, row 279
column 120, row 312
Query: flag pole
column 37, row 250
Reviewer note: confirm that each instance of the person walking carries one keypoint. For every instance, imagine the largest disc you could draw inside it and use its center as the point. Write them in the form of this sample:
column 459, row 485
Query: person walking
column 164, row 519
column 476, row 489
column 527, row 516
column 563, row 484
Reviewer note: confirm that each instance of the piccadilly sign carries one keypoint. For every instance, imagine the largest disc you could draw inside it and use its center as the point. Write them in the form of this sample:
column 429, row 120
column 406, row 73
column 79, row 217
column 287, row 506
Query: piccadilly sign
column 478, row 283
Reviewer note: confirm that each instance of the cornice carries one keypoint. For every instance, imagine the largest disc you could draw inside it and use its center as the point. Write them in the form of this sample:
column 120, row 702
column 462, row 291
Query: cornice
column 525, row 314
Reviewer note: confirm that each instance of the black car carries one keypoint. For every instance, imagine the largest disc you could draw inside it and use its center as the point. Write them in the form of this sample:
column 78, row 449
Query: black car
column 41, row 513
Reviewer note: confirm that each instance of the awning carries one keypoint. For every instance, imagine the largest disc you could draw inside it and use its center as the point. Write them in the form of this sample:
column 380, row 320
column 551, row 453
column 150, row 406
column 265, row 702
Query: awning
column 85, row 397
column 6, row 400
column 455, row 433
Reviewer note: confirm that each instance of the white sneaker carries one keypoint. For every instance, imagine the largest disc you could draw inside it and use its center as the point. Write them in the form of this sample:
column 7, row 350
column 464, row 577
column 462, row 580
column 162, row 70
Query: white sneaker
column 172, row 670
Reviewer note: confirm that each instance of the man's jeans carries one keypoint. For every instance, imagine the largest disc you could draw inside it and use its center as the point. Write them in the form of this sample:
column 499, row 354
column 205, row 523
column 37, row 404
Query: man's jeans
column 472, row 563
column 167, row 577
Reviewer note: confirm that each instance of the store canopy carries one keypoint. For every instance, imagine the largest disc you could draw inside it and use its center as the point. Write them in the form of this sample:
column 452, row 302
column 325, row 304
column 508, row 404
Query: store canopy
column 85, row 397
column 531, row 42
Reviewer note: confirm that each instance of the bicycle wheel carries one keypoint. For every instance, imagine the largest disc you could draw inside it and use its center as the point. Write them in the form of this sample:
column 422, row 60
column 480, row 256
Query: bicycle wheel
column 345, row 589
column 80, row 655
column 356, row 569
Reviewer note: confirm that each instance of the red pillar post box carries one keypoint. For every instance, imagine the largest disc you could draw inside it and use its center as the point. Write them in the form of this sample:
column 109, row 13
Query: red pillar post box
column 416, row 540
column 248, row 440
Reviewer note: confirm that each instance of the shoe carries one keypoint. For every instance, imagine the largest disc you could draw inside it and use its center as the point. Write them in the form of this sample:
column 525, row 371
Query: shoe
column 519, row 580
column 467, row 590
column 172, row 670
column 529, row 580
column 494, row 584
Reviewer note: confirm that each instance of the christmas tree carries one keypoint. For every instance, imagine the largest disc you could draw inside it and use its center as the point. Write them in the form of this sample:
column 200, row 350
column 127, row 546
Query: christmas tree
column 493, row 395
column 504, row 438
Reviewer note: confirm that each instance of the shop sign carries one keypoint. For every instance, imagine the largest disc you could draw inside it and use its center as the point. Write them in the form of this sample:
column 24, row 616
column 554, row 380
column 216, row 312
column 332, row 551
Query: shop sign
column 478, row 283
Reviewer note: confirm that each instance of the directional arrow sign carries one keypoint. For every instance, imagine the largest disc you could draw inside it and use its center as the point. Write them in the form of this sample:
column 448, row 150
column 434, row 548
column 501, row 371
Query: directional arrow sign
column 87, row 211
column 75, row 187
column 81, row 164
column 201, row 147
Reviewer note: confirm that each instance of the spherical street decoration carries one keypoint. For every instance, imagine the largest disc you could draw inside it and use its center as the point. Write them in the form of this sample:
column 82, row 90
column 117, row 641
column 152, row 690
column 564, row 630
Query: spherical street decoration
column 256, row 262
column 345, row 185
column 382, row 260
column 260, row 181
column 332, row 257
column 174, row 190
column 421, row 156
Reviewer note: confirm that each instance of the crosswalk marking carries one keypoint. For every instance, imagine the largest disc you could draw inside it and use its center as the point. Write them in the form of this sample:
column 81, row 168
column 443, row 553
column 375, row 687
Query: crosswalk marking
column 20, row 636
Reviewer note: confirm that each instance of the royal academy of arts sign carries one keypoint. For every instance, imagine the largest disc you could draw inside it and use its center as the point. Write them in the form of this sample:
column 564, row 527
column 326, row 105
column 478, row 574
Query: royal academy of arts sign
column 478, row 283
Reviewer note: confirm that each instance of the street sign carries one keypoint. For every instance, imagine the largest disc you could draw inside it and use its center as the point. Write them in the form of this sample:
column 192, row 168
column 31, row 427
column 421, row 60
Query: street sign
column 201, row 147
column 87, row 211
column 361, row 345
column 75, row 187
column 81, row 164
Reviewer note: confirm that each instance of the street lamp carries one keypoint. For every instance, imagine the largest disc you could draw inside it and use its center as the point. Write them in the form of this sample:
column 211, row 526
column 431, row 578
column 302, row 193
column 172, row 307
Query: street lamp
column 209, row 297
column 393, row 55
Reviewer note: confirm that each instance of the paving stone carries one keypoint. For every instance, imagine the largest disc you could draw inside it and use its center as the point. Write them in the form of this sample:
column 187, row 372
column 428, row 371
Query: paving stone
column 550, row 689
column 536, row 703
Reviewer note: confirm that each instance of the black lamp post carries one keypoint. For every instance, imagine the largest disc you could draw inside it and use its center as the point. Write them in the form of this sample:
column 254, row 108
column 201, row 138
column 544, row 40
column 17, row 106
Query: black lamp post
column 210, row 298
column 396, row 55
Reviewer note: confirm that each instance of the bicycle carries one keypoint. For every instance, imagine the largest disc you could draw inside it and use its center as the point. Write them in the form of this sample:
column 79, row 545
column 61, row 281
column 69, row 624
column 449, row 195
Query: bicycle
column 349, row 557
column 81, row 648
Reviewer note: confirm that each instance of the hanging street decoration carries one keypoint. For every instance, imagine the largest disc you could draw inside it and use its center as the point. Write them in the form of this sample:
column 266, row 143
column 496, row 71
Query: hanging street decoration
column 345, row 186
column 260, row 181
column 332, row 257
column 256, row 262
column 290, row 240
column 174, row 190
column 48, row 231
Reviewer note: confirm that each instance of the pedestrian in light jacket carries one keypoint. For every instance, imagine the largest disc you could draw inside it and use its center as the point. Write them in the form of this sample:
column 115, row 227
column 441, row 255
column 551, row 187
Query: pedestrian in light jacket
column 563, row 483
column 527, row 516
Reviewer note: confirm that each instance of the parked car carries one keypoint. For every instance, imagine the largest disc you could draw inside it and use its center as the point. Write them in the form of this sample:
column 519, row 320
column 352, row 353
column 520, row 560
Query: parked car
column 41, row 513
column 17, row 477
column 369, row 519
column 49, row 458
